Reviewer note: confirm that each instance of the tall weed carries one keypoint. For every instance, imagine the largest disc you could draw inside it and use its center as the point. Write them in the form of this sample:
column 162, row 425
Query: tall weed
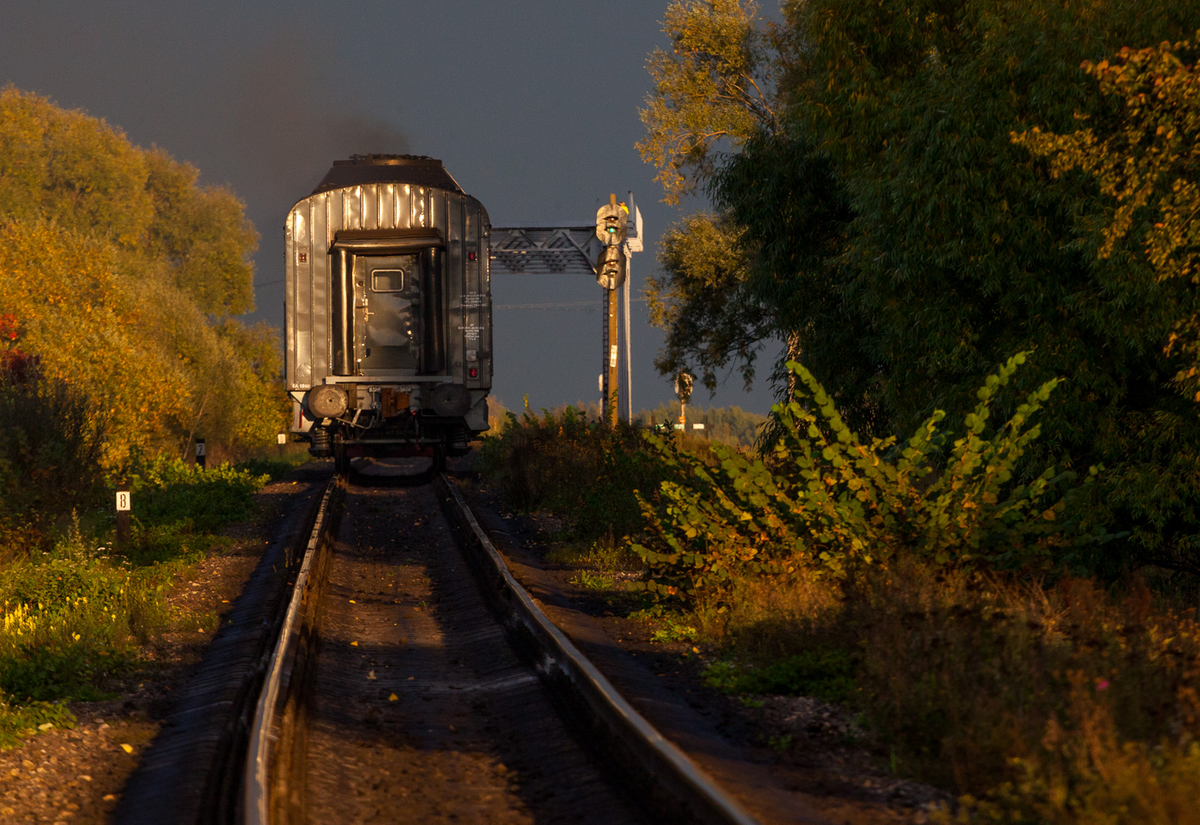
column 1083, row 772
column 824, row 502
column 576, row 467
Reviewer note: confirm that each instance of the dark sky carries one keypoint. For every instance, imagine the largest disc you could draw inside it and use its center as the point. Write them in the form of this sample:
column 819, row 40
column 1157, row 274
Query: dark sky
column 531, row 104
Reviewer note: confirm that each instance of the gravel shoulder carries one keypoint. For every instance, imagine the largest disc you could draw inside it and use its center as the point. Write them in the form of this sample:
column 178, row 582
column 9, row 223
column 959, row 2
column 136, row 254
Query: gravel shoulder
column 77, row 776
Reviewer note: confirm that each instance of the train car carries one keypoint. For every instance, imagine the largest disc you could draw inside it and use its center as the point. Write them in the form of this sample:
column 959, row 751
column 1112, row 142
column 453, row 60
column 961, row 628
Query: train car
column 389, row 311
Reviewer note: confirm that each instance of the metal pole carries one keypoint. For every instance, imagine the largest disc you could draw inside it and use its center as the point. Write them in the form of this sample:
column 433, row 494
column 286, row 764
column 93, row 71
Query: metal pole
column 628, row 346
column 612, row 402
column 604, row 361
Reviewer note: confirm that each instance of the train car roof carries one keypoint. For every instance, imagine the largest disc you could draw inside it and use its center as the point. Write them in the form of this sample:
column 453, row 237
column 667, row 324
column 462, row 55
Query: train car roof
column 417, row 170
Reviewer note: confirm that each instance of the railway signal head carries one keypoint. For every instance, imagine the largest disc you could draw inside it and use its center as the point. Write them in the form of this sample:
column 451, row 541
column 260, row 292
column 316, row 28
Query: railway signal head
column 610, row 268
column 610, row 222
column 683, row 387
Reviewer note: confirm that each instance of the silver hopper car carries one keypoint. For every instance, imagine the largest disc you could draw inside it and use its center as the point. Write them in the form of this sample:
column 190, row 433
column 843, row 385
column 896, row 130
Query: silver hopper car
column 389, row 311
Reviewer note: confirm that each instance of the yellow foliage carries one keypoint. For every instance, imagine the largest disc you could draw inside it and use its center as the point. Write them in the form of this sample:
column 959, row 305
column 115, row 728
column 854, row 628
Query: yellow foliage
column 714, row 85
column 114, row 260
column 86, row 324
column 1148, row 164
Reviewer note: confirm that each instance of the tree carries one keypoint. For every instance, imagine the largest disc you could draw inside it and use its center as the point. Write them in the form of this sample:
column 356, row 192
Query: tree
column 73, row 170
column 1147, row 158
column 713, row 92
column 713, row 88
column 963, row 250
column 121, row 272
column 204, row 234
column 701, row 301
column 85, row 324
column 894, row 234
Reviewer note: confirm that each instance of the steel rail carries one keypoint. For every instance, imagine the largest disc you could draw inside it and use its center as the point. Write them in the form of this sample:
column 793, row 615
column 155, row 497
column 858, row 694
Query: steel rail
column 256, row 783
column 689, row 791
column 677, row 786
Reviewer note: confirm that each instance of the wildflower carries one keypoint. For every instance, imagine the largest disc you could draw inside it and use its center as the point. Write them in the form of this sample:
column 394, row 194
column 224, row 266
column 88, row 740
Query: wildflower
column 1101, row 684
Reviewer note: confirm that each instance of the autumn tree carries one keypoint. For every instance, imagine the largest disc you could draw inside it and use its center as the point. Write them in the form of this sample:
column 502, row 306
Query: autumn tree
column 204, row 235
column 713, row 89
column 123, row 272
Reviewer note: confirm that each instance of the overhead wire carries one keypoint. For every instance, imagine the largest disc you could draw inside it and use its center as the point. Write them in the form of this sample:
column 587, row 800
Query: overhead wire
column 584, row 306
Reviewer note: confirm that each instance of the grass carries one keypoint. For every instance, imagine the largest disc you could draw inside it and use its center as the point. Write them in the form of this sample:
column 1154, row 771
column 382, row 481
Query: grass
column 16, row 722
column 72, row 620
column 75, row 617
column 578, row 468
column 825, row 674
column 1038, row 701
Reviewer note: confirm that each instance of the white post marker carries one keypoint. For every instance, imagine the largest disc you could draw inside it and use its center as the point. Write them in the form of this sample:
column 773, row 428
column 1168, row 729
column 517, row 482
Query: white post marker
column 124, row 505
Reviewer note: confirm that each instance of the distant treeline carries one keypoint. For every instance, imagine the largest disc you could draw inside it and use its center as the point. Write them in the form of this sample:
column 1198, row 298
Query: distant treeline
column 731, row 425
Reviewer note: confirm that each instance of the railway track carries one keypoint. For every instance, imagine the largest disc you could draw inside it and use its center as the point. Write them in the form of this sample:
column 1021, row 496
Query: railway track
column 415, row 680
column 383, row 665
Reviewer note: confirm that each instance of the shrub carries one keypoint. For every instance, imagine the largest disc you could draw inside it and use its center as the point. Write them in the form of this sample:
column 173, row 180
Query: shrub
column 51, row 446
column 175, row 492
column 825, row 502
column 578, row 468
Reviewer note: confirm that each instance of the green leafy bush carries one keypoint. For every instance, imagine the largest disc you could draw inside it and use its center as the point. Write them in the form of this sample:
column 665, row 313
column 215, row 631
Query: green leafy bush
column 825, row 502
column 172, row 491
